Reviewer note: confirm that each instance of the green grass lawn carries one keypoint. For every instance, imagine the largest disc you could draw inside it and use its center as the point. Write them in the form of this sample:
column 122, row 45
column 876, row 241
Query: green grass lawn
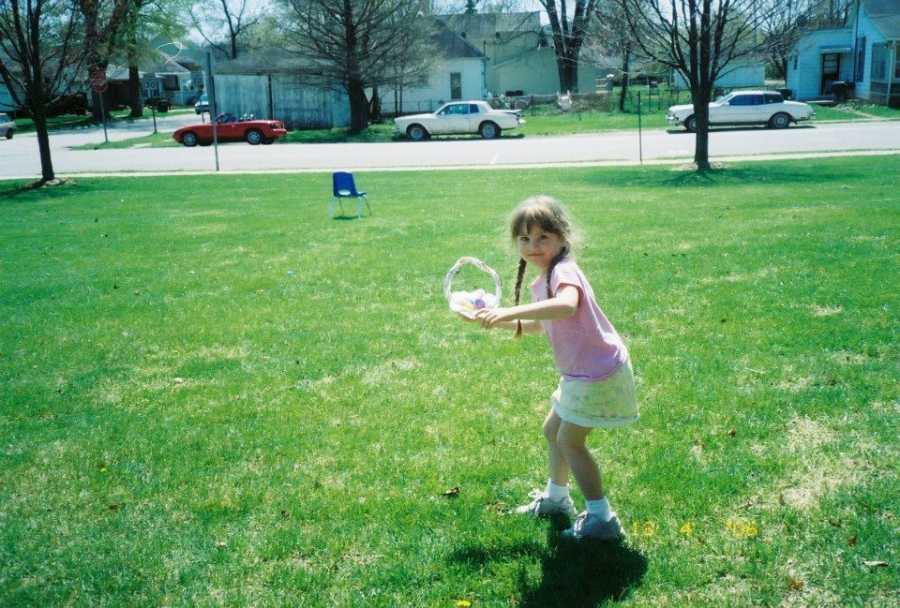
column 72, row 121
column 156, row 140
column 214, row 395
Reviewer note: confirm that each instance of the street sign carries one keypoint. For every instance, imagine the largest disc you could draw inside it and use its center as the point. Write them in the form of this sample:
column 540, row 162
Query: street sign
column 98, row 80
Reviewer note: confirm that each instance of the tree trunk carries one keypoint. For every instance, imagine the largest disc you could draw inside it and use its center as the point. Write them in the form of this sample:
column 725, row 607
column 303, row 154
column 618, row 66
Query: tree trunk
column 568, row 74
column 40, row 126
column 701, row 146
column 134, row 92
column 359, row 107
column 781, row 66
column 234, row 50
column 626, row 55
column 375, row 106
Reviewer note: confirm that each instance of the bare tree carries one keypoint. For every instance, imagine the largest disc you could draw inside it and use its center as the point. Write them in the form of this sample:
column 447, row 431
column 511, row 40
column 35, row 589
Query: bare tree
column 612, row 32
column 41, row 54
column 701, row 39
column 351, row 44
column 213, row 18
column 568, row 36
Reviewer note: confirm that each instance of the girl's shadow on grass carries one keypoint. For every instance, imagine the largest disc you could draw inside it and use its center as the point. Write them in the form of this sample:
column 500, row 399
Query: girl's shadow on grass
column 573, row 574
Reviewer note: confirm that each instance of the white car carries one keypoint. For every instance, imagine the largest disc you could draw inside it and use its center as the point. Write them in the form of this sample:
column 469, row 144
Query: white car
column 745, row 107
column 7, row 126
column 459, row 117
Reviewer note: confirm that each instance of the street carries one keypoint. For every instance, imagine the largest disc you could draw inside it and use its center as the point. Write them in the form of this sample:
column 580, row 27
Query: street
column 19, row 157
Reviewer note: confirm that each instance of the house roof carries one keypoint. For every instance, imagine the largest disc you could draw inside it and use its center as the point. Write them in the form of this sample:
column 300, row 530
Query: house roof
column 884, row 15
column 262, row 61
column 169, row 66
column 482, row 25
column 451, row 44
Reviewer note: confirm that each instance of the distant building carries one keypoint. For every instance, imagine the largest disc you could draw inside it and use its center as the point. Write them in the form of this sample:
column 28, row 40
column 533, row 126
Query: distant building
column 267, row 84
column 518, row 51
column 740, row 75
column 457, row 73
column 864, row 53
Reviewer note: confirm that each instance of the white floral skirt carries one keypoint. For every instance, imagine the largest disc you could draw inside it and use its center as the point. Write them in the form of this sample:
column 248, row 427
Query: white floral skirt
column 610, row 402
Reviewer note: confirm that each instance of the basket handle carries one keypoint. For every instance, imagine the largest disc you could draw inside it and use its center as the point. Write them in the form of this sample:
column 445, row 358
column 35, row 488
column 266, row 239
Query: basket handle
column 463, row 261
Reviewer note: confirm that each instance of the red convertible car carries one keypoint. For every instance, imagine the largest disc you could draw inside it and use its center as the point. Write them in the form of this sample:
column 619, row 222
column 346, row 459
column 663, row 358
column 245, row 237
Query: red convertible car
column 229, row 128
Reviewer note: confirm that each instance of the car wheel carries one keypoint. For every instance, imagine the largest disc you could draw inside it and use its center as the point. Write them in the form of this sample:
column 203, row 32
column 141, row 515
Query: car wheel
column 267, row 140
column 9, row 133
column 416, row 132
column 489, row 130
column 254, row 137
column 691, row 124
column 189, row 139
column 780, row 121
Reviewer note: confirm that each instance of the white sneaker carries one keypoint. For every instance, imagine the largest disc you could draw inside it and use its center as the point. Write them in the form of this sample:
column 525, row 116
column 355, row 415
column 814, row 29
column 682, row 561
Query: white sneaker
column 542, row 506
column 592, row 527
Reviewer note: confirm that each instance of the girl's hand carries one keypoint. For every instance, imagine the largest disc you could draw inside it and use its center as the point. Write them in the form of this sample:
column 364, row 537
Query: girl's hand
column 467, row 319
column 491, row 317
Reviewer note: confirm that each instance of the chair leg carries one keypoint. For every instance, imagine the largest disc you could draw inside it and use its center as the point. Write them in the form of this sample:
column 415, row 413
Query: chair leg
column 331, row 207
column 341, row 203
column 359, row 208
column 368, row 206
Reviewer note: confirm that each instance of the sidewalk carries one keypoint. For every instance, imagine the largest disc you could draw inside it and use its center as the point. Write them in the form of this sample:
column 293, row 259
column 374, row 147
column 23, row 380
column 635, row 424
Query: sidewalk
column 678, row 162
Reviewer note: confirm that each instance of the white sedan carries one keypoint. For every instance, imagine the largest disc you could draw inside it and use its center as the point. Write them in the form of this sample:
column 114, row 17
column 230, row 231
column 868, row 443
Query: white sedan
column 745, row 107
column 459, row 117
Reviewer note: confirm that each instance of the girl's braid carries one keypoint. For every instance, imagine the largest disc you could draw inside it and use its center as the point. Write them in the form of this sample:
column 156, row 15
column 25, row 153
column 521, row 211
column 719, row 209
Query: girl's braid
column 519, row 277
column 559, row 256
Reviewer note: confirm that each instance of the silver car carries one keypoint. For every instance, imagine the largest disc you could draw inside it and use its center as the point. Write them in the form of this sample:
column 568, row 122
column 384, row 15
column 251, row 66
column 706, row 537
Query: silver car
column 7, row 126
column 746, row 107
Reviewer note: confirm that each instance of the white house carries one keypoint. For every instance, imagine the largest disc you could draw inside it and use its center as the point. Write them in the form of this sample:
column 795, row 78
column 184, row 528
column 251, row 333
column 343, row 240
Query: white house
column 518, row 52
column 744, row 74
column 457, row 73
column 864, row 53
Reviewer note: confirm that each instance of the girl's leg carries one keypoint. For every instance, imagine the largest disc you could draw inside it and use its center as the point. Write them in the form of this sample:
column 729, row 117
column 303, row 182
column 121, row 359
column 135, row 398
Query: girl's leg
column 570, row 443
column 559, row 468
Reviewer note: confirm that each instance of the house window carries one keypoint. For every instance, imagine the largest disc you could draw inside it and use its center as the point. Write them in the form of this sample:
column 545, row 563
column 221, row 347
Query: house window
column 795, row 61
column 860, row 59
column 880, row 54
column 170, row 82
column 455, row 85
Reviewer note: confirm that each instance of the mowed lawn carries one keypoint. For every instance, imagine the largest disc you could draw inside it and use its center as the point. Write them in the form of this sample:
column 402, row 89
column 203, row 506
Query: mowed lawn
column 213, row 395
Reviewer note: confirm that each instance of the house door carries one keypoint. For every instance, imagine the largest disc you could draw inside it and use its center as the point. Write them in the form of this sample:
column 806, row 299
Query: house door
column 455, row 85
column 831, row 71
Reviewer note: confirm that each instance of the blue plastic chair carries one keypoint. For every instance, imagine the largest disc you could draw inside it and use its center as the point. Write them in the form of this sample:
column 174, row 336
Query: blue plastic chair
column 343, row 187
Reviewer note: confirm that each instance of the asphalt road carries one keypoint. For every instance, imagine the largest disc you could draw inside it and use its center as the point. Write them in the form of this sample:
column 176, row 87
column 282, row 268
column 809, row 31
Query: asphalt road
column 19, row 156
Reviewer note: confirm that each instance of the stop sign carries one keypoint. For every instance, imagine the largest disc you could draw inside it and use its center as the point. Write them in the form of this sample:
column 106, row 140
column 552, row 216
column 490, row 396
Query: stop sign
column 98, row 80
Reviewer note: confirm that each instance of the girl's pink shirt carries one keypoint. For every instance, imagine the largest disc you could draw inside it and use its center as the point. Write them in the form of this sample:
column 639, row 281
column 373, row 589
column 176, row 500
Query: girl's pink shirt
column 586, row 346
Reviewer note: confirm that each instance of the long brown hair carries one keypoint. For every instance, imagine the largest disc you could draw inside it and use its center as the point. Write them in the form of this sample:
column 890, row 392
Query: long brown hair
column 548, row 213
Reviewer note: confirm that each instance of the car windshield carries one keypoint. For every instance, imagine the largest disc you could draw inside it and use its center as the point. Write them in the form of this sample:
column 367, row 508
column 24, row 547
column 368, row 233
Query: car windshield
column 724, row 98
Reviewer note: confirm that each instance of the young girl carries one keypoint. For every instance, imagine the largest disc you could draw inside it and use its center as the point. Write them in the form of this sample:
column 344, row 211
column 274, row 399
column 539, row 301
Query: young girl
column 597, row 386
